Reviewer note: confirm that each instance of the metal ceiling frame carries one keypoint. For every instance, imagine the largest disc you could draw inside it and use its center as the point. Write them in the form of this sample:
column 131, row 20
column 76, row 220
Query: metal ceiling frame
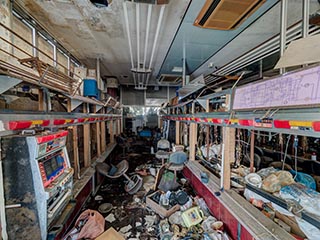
column 141, row 75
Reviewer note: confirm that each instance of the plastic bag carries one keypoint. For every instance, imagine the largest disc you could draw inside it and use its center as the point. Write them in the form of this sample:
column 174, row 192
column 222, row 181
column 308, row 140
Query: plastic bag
column 304, row 179
column 92, row 224
column 275, row 181
column 306, row 197
column 168, row 182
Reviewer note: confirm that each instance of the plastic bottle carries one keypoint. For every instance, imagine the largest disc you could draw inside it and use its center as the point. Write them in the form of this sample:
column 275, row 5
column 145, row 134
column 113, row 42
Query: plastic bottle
column 314, row 156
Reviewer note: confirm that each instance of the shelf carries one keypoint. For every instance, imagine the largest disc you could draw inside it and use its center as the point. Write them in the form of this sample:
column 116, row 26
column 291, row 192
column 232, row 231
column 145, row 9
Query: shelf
column 26, row 120
column 304, row 122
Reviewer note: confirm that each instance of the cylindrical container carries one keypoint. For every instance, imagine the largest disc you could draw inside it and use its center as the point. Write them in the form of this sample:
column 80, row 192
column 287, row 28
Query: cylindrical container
column 314, row 156
column 90, row 88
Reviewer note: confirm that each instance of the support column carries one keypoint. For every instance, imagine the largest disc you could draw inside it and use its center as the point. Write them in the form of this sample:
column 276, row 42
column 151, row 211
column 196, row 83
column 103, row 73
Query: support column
column 41, row 100
column 111, row 131
column 228, row 147
column 252, row 151
column 283, row 29
column 177, row 132
column 76, row 164
column 192, row 141
column 98, row 137
column 103, row 134
column 86, row 140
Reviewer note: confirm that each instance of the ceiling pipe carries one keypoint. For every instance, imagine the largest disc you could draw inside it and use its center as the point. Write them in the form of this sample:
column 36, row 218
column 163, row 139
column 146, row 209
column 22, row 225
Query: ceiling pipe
column 237, row 64
column 138, row 34
column 264, row 54
column 147, row 35
column 283, row 29
column 276, row 48
column 155, row 40
column 124, row 4
column 305, row 18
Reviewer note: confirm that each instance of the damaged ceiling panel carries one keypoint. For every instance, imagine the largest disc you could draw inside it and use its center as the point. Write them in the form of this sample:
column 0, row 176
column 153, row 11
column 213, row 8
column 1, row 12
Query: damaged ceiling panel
column 89, row 32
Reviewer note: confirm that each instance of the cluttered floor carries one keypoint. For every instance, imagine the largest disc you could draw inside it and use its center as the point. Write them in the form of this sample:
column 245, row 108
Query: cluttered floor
column 164, row 207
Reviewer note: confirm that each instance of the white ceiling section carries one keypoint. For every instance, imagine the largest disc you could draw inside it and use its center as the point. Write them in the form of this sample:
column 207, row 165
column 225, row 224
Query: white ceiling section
column 89, row 32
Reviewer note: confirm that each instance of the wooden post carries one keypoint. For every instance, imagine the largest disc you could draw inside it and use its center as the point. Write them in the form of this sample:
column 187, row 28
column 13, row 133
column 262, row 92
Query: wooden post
column 98, row 137
column 76, row 163
column 228, row 155
column 86, row 141
column 192, row 141
column 208, row 130
column 41, row 100
column 177, row 132
column 118, row 126
column 76, row 152
column 111, row 131
column 252, row 151
column 103, row 135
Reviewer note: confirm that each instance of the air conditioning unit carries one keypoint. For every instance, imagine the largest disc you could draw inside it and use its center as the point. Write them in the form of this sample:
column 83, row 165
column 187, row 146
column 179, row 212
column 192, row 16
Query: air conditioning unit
column 226, row 14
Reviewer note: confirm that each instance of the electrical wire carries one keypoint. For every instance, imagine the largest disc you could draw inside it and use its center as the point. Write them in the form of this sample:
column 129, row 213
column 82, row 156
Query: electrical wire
column 285, row 154
column 295, row 144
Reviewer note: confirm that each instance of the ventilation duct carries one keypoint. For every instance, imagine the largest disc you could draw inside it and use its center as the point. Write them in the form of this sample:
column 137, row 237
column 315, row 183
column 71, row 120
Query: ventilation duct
column 226, row 14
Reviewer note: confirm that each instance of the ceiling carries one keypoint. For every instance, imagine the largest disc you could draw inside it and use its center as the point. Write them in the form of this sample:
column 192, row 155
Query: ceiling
column 89, row 33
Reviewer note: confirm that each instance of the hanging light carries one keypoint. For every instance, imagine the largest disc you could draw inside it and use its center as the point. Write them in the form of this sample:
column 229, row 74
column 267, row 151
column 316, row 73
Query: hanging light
column 140, row 70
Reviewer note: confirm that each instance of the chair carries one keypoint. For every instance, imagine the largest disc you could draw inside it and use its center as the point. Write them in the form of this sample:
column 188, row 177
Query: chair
column 176, row 162
column 134, row 182
column 163, row 147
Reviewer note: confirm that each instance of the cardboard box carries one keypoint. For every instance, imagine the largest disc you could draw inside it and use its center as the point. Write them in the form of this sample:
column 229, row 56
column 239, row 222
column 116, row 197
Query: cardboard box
column 164, row 213
column 92, row 74
column 110, row 234
column 80, row 72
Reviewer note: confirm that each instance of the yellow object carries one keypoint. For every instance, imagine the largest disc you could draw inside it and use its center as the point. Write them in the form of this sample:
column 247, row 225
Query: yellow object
column 192, row 216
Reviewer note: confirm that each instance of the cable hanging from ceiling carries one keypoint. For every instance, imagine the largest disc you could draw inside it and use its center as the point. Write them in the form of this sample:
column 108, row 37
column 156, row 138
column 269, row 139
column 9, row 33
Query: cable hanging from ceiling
column 142, row 72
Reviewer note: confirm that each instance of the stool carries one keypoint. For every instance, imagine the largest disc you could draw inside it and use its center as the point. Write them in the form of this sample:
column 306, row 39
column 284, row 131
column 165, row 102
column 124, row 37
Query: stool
column 134, row 182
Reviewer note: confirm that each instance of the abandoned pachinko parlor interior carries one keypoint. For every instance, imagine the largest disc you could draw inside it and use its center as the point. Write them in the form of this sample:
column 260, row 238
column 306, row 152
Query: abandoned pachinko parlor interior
column 160, row 119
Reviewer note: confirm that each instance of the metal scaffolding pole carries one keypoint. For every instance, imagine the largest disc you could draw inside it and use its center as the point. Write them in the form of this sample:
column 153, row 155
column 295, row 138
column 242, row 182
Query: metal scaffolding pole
column 283, row 29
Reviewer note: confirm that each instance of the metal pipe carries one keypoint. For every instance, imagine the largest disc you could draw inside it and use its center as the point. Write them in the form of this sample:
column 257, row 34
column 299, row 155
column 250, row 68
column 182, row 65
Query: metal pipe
column 305, row 18
column 294, row 29
column 155, row 41
column 138, row 34
column 147, row 35
column 68, row 65
column 292, row 34
column 98, row 73
column 184, row 63
column 54, row 55
column 283, row 29
column 124, row 5
column 34, row 42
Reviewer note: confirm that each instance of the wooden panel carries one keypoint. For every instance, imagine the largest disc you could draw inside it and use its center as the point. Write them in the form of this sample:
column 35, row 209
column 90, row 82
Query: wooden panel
column 227, row 14
column 192, row 141
column 111, row 131
column 228, row 154
column 86, row 141
column 177, row 132
column 76, row 163
column 22, row 30
column 41, row 100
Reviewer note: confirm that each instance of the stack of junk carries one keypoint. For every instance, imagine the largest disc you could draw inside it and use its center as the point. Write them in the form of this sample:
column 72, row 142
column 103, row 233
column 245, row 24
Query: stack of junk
column 162, row 205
